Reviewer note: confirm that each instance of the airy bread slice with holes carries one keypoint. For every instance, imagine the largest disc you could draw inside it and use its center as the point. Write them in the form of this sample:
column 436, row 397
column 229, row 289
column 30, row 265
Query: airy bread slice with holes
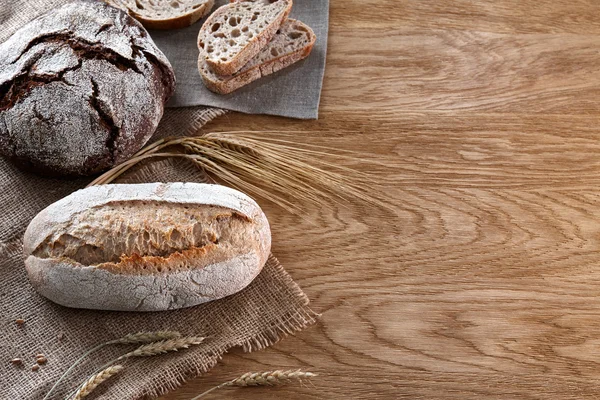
column 293, row 42
column 146, row 247
column 236, row 32
column 165, row 14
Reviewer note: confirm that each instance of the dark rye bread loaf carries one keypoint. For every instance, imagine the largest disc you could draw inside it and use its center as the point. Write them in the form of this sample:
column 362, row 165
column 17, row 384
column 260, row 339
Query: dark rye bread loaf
column 82, row 88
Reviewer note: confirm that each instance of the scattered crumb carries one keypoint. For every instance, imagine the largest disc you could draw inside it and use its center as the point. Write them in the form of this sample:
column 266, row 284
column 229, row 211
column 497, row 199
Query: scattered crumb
column 41, row 360
column 61, row 336
column 35, row 367
column 38, row 355
column 16, row 361
column 20, row 321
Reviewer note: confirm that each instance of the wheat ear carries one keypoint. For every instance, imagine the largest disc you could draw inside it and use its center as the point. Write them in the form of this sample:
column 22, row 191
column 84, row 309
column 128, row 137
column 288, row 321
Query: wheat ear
column 274, row 169
column 267, row 378
column 164, row 346
column 152, row 349
column 93, row 382
column 132, row 338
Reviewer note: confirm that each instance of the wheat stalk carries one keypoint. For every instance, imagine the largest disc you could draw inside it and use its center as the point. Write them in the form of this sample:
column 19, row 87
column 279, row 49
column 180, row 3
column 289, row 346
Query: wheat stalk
column 272, row 168
column 132, row 338
column 93, row 382
column 155, row 348
column 164, row 346
column 267, row 378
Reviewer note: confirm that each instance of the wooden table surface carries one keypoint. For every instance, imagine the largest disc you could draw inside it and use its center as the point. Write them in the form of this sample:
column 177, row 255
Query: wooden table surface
column 482, row 281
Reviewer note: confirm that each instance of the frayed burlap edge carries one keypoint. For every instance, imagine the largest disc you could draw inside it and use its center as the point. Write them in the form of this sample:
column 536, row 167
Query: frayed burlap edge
column 295, row 322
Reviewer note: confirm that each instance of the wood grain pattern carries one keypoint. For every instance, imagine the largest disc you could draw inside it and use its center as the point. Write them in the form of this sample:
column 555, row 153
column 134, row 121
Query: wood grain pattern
column 480, row 120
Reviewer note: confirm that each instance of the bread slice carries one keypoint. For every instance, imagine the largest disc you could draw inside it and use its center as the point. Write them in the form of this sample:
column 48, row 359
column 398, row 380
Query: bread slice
column 292, row 42
column 236, row 32
column 165, row 14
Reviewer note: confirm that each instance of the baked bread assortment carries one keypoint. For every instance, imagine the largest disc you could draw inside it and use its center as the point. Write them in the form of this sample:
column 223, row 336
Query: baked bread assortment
column 292, row 42
column 82, row 88
column 165, row 14
column 146, row 247
column 245, row 40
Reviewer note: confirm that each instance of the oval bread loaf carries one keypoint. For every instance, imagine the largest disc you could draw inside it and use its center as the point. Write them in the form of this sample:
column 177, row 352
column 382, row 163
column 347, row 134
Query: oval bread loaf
column 82, row 88
column 146, row 247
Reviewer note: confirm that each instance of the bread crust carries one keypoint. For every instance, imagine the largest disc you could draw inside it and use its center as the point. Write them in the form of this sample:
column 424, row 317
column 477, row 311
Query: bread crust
column 228, row 84
column 177, row 22
column 82, row 88
column 72, row 284
column 250, row 50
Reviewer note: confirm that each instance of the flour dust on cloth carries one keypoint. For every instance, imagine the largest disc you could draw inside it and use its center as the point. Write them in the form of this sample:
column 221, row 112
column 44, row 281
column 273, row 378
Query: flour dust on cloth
column 271, row 307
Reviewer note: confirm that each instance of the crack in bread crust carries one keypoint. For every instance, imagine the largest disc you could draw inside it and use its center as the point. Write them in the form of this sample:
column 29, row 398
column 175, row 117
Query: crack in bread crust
column 149, row 237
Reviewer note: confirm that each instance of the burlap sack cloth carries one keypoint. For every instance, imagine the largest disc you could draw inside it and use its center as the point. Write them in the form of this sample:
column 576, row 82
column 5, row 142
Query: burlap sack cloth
column 272, row 306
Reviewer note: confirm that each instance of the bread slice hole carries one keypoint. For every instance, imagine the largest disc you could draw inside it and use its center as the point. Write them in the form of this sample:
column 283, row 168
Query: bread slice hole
column 223, row 58
column 219, row 35
column 294, row 35
column 232, row 42
column 235, row 33
column 254, row 18
column 233, row 21
column 274, row 52
column 245, row 29
column 174, row 4
column 210, row 49
column 215, row 27
column 201, row 44
column 139, row 5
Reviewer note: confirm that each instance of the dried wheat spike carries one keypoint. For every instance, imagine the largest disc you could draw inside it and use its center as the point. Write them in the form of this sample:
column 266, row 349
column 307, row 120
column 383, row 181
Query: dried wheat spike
column 163, row 346
column 96, row 380
column 147, row 337
column 270, row 378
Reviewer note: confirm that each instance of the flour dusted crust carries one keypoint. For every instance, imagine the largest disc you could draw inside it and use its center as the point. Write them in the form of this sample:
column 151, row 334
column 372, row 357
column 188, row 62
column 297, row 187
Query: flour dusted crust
column 82, row 88
column 293, row 42
column 165, row 14
column 146, row 247
column 236, row 32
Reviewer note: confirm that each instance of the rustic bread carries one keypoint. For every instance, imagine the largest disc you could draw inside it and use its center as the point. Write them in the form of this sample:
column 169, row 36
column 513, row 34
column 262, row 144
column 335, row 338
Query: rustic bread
column 82, row 88
column 236, row 32
column 165, row 14
column 146, row 247
column 293, row 42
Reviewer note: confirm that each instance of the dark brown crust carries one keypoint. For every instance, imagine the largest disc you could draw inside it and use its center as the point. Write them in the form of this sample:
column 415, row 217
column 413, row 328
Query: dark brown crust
column 94, row 92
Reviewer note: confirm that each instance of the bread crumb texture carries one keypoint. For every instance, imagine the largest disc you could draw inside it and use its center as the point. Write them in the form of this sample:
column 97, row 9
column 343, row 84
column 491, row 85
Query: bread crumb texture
column 232, row 27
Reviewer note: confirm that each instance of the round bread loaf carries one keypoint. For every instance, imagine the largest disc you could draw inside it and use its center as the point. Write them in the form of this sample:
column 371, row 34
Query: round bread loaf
column 82, row 88
column 146, row 247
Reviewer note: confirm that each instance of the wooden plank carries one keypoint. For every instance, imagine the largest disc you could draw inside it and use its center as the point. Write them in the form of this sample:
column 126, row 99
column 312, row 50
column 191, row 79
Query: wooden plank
column 480, row 123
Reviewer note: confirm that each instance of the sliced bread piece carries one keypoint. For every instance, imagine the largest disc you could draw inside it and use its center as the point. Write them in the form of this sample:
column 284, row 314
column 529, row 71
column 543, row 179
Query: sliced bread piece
column 236, row 32
column 293, row 41
column 165, row 14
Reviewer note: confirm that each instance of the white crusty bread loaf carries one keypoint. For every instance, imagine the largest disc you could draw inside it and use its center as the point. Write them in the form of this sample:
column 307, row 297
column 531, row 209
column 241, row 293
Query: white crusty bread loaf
column 236, row 32
column 146, row 247
column 165, row 14
column 293, row 42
